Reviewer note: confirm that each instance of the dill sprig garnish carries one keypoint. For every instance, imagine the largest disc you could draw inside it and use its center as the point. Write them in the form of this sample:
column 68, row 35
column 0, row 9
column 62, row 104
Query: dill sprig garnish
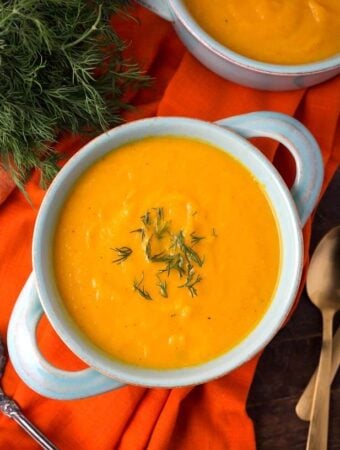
column 139, row 230
column 174, row 262
column 123, row 253
column 157, row 257
column 163, row 287
column 162, row 227
column 148, row 249
column 138, row 286
column 49, row 53
column 180, row 256
column 176, row 253
column 189, row 252
column 146, row 218
column 159, row 213
column 162, row 230
column 195, row 239
column 192, row 280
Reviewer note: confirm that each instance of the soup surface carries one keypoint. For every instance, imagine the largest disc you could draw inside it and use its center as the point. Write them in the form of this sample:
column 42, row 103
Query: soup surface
column 167, row 252
column 273, row 31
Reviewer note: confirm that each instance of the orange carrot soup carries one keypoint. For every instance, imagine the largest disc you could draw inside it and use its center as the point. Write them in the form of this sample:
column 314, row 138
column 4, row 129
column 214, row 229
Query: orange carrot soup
column 272, row 31
column 167, row 252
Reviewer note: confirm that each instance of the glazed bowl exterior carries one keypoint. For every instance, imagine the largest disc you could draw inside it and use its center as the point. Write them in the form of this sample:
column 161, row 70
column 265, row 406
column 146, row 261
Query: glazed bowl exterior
column 41, row 288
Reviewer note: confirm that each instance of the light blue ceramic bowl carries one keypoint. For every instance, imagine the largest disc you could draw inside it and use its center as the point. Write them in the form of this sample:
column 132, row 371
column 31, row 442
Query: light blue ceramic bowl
column 235, row 67
column 40, row 294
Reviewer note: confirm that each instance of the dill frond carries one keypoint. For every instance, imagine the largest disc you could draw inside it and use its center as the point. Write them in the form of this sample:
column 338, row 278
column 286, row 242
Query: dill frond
column 138, row 286
column 49, row 54
column 122, row 254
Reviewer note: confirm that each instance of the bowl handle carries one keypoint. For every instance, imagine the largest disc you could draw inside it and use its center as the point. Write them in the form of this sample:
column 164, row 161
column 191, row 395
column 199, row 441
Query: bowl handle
column 32, row 367
column 159, row 7
column 301, row 144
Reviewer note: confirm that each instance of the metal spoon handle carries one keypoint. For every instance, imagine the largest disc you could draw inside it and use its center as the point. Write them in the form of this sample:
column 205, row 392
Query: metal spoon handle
column 11, row 409
column 304, row 405
column 318, row 427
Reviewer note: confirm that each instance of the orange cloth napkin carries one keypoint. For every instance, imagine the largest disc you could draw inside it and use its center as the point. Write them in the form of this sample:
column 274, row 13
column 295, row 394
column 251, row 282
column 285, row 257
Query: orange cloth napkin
column 210, row 416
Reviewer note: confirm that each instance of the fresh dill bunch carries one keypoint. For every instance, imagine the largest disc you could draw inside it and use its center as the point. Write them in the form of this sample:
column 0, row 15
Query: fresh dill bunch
column 49, row 53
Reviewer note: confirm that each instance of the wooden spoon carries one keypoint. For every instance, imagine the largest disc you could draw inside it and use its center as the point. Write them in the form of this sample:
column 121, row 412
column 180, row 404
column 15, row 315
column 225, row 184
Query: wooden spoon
column 323, row 288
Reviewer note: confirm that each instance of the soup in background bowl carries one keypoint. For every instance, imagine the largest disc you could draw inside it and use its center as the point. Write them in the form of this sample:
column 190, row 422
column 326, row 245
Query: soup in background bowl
column 272, row 31
column 269, row 45
column 166, row 253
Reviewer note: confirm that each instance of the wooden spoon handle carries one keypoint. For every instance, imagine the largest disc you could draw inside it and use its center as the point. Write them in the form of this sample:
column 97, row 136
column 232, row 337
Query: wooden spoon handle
column 318, row 427
column 304, row 405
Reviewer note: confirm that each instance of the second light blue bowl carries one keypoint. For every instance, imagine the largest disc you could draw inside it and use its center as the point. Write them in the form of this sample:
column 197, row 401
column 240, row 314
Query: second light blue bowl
column 235, row 67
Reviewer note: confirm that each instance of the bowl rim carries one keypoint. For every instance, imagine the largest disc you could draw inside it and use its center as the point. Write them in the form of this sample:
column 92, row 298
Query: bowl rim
column 185, row 18
column 80, row 344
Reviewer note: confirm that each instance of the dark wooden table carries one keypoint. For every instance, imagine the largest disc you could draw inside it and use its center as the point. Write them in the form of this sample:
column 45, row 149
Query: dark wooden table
column 289, row 361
